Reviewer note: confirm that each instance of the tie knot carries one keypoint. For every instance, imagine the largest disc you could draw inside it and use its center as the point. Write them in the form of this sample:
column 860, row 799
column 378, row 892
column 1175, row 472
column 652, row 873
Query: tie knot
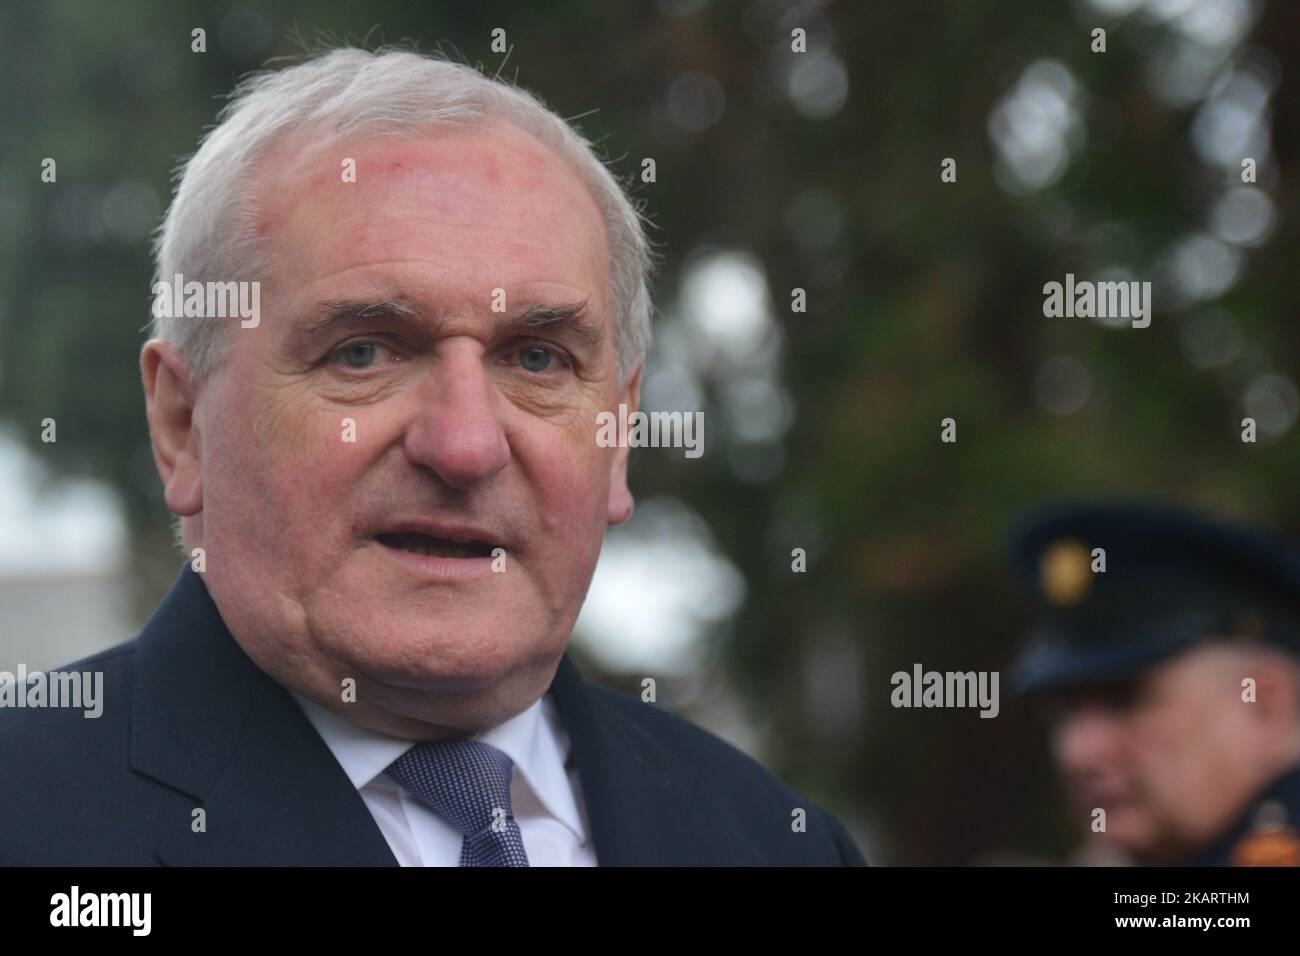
column 464, row 781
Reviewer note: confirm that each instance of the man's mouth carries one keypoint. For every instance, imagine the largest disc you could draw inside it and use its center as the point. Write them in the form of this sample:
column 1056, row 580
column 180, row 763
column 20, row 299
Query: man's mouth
column 417, row 543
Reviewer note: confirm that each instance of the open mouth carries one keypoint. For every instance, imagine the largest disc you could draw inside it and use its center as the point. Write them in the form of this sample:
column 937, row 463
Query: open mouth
column 417, row 543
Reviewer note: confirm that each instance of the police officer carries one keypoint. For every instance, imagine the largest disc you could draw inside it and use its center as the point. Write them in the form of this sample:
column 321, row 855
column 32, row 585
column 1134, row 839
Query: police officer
column 1167, row 654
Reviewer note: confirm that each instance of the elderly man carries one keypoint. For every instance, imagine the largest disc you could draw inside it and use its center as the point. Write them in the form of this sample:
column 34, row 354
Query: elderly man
column 392, row 501
column 1165, row 657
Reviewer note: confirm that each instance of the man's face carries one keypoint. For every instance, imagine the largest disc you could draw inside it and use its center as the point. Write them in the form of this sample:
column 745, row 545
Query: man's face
column 435, row 345
column 1171, row 756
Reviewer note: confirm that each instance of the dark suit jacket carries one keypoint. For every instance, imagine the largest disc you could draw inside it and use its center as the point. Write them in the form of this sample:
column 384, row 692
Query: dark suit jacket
column 189, row 721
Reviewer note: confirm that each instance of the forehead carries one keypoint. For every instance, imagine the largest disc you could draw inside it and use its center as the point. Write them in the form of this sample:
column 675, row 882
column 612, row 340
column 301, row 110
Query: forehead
column 1183, row 679
column 461, row 211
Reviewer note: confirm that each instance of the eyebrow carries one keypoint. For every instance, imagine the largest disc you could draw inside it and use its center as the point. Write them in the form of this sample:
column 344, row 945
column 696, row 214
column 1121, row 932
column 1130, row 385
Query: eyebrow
column 335, row 314
column 571, row 318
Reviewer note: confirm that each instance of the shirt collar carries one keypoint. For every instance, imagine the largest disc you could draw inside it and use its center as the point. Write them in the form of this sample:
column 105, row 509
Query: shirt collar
column 533, row 739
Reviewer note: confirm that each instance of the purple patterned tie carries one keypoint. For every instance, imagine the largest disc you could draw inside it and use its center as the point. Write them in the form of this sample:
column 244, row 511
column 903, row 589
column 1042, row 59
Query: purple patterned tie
column 467, row 783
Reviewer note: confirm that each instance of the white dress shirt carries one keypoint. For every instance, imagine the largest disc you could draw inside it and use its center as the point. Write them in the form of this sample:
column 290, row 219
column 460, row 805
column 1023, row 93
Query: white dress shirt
column 544, row 790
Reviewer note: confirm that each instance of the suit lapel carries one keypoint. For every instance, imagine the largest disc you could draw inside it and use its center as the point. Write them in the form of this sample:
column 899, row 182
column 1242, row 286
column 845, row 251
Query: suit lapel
column 641, row 798
column 207, row 722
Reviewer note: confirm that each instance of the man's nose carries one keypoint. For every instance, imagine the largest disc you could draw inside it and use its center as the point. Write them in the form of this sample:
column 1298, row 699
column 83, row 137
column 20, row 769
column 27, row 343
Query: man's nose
column 457, row 433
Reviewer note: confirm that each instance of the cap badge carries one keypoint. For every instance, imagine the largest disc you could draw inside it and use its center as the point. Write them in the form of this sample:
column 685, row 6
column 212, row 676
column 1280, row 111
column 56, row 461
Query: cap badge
column 1065, row 572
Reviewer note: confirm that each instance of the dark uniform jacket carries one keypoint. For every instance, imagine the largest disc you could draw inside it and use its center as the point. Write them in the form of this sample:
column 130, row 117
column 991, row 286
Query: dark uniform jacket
column 1267, row 834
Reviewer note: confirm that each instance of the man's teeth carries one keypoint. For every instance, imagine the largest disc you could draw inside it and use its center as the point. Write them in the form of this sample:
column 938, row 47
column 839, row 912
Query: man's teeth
column 432, row 547
column 438, row 550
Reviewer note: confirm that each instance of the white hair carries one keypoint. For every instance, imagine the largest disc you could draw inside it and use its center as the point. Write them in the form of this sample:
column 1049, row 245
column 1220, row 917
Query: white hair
column 211, row 229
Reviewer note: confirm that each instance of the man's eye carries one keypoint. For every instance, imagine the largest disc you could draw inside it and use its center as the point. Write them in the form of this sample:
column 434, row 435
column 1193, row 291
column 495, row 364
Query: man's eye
column 537, row 358
column 358, row 355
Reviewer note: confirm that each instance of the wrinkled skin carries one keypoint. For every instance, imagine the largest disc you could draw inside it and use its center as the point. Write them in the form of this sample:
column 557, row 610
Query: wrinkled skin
column 460, row 416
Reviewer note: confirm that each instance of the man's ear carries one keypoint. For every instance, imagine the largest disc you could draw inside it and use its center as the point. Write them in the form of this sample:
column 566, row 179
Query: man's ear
column 169, row 394
column 620, row 496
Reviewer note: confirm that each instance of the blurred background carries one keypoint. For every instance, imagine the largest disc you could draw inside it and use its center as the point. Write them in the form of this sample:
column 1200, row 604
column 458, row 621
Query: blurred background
column 775, row 171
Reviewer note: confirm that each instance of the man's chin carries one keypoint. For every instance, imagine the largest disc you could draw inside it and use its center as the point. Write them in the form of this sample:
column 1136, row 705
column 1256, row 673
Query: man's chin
column 1136, row 836
column 469, row 698
column 458, row 660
